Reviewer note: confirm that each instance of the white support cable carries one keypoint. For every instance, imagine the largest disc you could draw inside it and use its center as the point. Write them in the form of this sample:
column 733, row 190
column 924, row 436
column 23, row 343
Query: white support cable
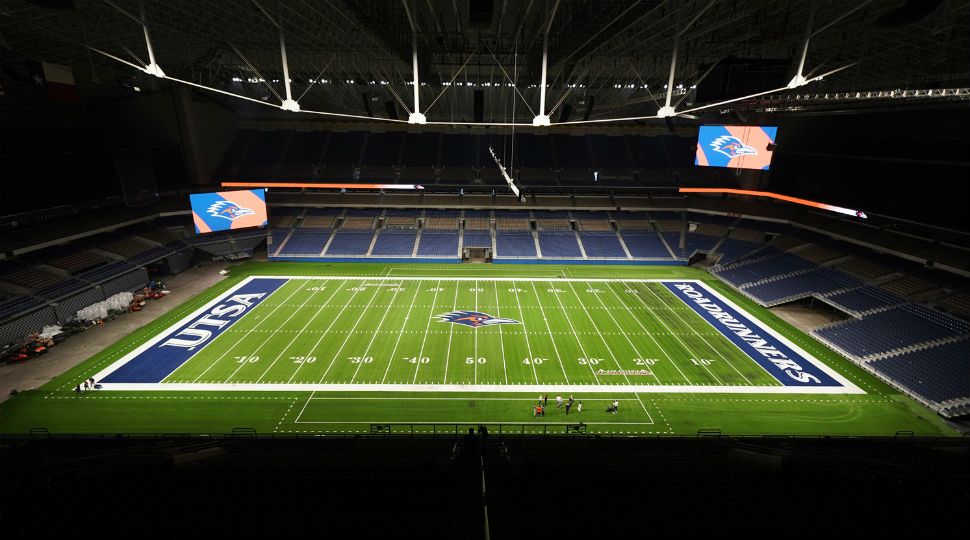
column 259, row 76
column 317, row 78
column 455, row 76
column 514, row 85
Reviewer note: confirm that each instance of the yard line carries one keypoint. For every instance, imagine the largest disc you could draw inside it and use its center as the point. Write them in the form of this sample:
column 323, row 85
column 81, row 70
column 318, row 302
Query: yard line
column 424, row 339
column 716, row 351
column 363, row 312
column 525, row 331
column 644, row 407
column 374, row 334
column 615, row 322
column 401, row 333
column 261, row 321
column 327, row 331
column 647, row 332
column 542, row 311
column 451, row 333
column 686, row 348
column 501, row 339
column 475, row 362
column 319, row 310
column 297, row 419
column 575, row 335
column 590, row 317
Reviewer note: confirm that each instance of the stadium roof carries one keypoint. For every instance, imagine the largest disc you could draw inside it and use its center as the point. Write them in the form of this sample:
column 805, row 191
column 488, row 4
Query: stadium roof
column 612, row 54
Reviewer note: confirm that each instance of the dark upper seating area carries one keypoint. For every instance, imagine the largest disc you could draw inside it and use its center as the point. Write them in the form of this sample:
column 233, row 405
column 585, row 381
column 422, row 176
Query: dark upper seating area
column 436, row 158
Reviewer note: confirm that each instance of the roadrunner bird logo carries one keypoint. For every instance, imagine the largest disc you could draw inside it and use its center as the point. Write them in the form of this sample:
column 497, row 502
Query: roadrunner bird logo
column 473, row 319
column 228, row 210
column 732, row 146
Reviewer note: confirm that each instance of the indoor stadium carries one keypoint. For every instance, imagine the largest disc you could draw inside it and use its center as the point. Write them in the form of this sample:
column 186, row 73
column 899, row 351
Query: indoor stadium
column 484, row 269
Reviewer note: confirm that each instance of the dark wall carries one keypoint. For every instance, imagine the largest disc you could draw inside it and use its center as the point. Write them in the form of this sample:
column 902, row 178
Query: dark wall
column 908, row 164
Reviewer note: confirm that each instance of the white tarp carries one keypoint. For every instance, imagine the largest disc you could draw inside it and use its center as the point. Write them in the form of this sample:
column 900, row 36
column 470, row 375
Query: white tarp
column 100, row 310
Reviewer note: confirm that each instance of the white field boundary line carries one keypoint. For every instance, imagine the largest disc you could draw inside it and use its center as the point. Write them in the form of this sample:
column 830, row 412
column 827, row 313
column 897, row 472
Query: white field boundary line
column 537, row 423
column 178, row 324
column 847, row 386
column 850, row 387
column 483, row 388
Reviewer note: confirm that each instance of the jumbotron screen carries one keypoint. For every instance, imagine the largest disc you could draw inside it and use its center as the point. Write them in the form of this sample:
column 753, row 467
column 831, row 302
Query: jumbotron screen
column 737, row 147
column 225, row 210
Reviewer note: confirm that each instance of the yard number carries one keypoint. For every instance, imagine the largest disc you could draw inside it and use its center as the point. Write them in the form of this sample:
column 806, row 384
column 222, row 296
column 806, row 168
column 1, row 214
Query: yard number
column 589, row 361
column 473, row 360
column 246, row 359
column 303, row 359
column 533, row 361
column 644, row 361
column 416, row 360
column 701, row 362
column 361, row 359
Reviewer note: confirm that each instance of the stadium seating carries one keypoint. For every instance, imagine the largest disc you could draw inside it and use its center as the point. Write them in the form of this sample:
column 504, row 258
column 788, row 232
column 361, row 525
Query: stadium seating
column 896, row 328
column 306, row 241
column 514, row 244
column 559, row 244
column 601, row 244
column 477, row 238
column 438, row 243
column 816, row 281
column 764, row 269
column 394, row 242
column 645, row 245
column 863, row 299
column 350, row 242
column 938, row 373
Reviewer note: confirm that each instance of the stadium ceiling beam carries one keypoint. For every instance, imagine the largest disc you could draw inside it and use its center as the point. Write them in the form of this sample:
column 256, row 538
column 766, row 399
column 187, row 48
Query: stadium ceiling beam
column 542, row 119
column 415, row 117
column 667, row 110
column 799, row 79
column 152, row 68
column 289, row 104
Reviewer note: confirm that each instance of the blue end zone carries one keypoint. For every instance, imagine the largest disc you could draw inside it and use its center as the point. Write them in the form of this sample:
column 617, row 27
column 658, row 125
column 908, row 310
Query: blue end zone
column 784, row 364
column 175, row 348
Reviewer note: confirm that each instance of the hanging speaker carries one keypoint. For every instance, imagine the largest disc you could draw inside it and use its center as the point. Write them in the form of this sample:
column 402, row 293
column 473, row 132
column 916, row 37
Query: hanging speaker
column 479, row 105
column 589, row 107
column 567, row 110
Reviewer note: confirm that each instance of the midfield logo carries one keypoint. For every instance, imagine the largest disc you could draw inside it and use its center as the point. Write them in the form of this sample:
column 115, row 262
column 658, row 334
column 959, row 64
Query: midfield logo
column 473, row 319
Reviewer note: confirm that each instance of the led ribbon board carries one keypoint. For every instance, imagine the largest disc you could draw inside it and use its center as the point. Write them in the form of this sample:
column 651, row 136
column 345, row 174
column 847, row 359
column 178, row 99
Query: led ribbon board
column 780, row 197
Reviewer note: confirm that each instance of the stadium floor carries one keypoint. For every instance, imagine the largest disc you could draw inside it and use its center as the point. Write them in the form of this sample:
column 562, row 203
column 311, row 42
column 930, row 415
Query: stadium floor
column 306, row 348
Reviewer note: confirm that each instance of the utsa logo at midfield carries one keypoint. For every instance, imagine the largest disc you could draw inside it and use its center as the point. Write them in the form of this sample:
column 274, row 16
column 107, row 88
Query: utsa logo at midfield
column 732, row 146
column 228, row 210
column 474, row 319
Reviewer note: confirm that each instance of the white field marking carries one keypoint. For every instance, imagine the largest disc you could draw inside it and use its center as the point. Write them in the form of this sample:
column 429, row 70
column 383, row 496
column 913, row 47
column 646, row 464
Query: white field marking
column 181, row 322
column 390, row 360
column 536, row 423
column 234, row 345
column 501, row 338
column 647, row 332
column 374, row 336
column 708, row 343
column 346, row 339
column 644, row 408
column 327, row 331
column 682, row 344
column 486, row 278
column 297, row 419
column 600, row 334
column 451, row 333
column 542, row 312
column 270, row 337
column 576, row 337
column 460, row 398
column 617, row 324
column 424, row 338
column 524, row 331
column 763, row 327
column 475, row 363
column 482, row 388
column 326, row 303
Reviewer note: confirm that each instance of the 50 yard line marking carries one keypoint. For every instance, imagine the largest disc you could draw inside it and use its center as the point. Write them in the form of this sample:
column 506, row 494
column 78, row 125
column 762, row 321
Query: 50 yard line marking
column 451, row 333
column 475, row 363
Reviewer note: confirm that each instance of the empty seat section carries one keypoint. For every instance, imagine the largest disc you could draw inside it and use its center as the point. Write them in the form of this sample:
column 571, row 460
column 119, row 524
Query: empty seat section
column 394, row 242
column 645, row 245
column 306, row 241
column 601, row 244
column 439, row 244
column 559, row 244
column 514, row 244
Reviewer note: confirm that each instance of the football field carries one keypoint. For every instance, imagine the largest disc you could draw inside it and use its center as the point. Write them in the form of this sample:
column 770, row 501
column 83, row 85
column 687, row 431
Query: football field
column 316, row 349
